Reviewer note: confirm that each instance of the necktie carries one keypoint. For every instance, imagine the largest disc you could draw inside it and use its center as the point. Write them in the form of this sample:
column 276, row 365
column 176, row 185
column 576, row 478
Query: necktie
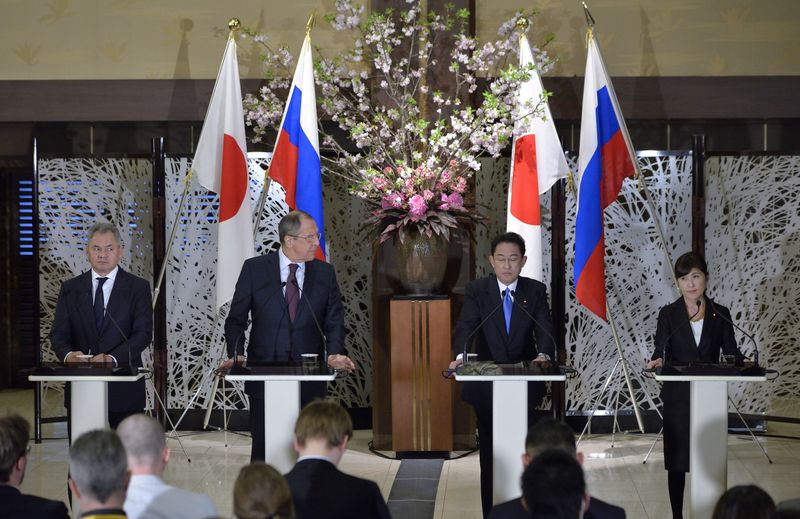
column 508, row 306
column 99, row 304
column 292, row 291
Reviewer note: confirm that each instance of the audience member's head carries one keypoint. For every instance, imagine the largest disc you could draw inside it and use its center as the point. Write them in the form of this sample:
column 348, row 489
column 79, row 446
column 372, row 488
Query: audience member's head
column 744, row 502
column 261, row 491
column 14, row 433
column 553, row 486
column 98, row 470
column 549, row 434
column 323, row 428
column 145, row 444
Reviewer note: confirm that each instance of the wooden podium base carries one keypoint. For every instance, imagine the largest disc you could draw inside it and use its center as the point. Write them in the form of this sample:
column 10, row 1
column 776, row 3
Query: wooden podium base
column 422, row 399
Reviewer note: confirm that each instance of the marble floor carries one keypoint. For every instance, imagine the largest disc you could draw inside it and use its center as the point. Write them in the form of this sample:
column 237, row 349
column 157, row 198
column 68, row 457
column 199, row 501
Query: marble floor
column 615, row 473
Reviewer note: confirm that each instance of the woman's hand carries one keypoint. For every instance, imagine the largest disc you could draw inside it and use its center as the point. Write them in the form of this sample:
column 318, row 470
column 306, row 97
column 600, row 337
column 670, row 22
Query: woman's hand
column 657, row 363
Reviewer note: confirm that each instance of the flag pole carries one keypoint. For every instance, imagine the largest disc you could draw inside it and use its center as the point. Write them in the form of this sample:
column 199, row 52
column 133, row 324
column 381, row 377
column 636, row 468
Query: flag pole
column 262, row 200
column 233, row 25
column 625, row 368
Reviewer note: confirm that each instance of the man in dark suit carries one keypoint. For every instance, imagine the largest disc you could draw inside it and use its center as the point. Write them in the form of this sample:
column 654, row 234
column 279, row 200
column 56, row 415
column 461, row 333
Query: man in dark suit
column 553, row 487
column 279, row 292
column 105, row 315
column 14, row 434
column 549, row 434
column 319, row 489
column 517, row 328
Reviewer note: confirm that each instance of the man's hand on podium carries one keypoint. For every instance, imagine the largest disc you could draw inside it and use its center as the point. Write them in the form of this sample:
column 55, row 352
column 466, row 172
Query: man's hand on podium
column 102, row 358
column 228, row 364
column 75, row 356
column 657, row 363
column 341, row 362
column 455, row 364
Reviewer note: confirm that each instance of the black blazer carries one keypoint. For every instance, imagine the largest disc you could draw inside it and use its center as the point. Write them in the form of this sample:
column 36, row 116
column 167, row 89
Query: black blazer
column 259, row 294
column 16, row 504
column 674, row 336
column 597, row 510
column 319, row 489
column 527, row 337
column 130, row 306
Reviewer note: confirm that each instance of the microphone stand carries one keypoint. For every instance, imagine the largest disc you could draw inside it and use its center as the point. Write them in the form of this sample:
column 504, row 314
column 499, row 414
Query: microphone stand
column 132, row 373
column 480, row 325
column 755, row 346
column 316, row 323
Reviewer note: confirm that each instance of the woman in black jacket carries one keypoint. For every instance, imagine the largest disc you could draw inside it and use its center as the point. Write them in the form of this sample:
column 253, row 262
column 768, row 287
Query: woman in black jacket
column 692, row 329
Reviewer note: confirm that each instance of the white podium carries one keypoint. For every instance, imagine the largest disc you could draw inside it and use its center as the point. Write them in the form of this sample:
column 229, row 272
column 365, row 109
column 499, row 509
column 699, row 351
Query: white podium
column 88, row 393
column 708, row 450
column 281, row 407
column 509, row 423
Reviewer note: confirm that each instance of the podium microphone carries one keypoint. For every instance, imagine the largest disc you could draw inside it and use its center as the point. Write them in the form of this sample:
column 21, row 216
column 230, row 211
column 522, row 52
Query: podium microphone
column 480, row 325
column 719, row 314
column 118, row 369
column 316, row 322
column 666, row 341
column 536, row 321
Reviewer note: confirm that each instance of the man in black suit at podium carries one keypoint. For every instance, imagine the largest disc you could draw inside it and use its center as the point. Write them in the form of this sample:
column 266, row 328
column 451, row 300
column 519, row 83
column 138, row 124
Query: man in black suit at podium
column 508, row 318
column 106, row 315
column 279, row 291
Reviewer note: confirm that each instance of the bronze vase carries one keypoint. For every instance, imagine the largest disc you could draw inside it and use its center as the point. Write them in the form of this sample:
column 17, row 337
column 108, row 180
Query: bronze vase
column 421, row 262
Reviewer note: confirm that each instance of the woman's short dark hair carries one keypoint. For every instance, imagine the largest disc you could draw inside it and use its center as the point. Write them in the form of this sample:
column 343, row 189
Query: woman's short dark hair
column 744, row 502
column 689, row 261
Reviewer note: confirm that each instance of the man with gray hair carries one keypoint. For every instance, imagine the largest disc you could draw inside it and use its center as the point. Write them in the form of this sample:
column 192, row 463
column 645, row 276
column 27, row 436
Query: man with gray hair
column 105, row 315
column 98, row 474
column 148, row 495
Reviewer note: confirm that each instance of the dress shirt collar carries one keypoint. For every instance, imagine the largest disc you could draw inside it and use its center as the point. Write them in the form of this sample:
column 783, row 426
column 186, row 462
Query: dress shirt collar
column 512, row 286
column 285, row 261
column 111, row 275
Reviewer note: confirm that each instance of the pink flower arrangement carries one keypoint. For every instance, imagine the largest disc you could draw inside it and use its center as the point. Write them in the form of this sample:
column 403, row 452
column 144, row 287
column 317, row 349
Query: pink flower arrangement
column 429, row 199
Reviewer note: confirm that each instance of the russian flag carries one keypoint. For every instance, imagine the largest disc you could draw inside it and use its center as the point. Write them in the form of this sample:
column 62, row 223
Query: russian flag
column 220, row 163
column 295, row 161
column 605, row 160
column 538, row 164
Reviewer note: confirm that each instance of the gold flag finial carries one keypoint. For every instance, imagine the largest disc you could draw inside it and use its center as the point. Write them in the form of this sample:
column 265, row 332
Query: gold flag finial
column 311, row 20
column 234, row 24
column 522, row 23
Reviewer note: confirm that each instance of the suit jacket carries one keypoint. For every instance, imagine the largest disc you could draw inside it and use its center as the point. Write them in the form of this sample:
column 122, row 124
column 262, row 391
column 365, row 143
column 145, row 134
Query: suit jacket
column 597, row 510
column 319, row 489
column 674, row 336
column 272, row 336
column 127, row 332
column 527, row 338
column 15, row 504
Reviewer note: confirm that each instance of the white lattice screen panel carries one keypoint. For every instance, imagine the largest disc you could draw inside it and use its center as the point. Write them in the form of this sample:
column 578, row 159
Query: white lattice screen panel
column 753, row 252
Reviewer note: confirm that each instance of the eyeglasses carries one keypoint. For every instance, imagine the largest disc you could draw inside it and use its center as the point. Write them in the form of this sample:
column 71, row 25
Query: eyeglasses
column 511, row 260
column 309, row 237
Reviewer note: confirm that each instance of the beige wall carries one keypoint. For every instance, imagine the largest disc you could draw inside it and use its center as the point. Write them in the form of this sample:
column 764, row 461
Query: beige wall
column 163, row 39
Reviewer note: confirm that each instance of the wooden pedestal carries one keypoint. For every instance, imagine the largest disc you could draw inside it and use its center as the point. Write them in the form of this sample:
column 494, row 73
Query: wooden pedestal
column 422, row 400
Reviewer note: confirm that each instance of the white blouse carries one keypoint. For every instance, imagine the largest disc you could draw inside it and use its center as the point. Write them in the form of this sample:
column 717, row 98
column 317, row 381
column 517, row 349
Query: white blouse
column 697, row 330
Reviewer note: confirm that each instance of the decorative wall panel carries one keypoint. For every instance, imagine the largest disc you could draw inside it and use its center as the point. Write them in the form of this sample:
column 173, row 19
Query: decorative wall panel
column 753, row 253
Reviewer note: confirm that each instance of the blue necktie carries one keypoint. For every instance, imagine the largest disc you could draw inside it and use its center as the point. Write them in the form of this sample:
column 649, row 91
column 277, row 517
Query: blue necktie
column 508, row 306
column 99, row 304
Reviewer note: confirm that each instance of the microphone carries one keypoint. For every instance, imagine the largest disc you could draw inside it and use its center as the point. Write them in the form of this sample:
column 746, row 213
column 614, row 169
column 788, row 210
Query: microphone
column 536, row 321
column 480, row 325
column 666, row 341
column 755, row 346
column 316, row 323
column 118, row 369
